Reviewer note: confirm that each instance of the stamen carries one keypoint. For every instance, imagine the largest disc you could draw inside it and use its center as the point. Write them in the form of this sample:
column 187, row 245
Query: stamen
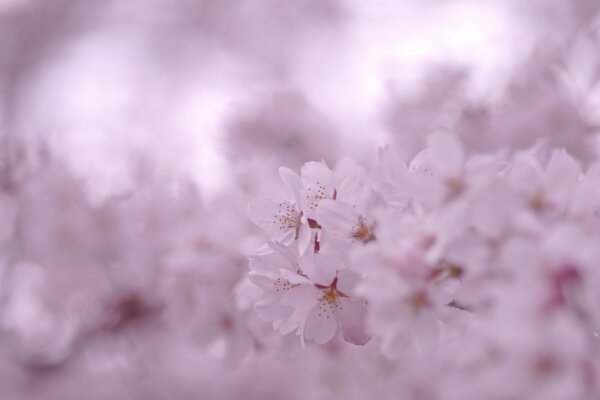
column 287, row 217
column 362, row 231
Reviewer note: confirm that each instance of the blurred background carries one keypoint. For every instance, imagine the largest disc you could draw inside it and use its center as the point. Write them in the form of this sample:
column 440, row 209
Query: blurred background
column 133, row 133
column 204, row 88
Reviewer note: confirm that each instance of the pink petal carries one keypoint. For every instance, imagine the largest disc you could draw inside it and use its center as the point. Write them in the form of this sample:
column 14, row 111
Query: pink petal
column 320, row 327
column 304, row 238
column 292, row 182
column 351, row 318
column 427, row 332
column 336, row 216
column 262, row 212
column 272, row 311
column 446, row 154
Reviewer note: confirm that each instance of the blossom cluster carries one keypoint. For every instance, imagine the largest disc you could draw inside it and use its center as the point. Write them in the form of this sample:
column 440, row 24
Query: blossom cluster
column 459, row 262
column 485, row 263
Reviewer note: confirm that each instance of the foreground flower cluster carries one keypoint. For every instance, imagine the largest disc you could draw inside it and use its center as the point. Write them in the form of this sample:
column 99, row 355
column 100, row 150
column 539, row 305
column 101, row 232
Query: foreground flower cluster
column 485, row 263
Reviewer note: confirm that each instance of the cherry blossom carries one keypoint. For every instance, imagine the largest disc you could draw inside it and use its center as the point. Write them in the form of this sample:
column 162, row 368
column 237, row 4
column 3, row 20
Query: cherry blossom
column 307, row 296
column 319, row 199
column 285, row 218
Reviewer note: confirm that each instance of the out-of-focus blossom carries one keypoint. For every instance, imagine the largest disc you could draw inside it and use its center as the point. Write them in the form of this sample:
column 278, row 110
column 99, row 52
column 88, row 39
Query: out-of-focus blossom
column 192, row 204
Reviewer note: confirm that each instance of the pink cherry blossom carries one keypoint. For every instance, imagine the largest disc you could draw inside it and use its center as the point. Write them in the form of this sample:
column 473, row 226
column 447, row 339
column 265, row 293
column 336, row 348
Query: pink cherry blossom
column 298, row 200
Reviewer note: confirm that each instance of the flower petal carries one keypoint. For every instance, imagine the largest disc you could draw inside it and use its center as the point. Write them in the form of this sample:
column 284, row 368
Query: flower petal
column 427, row 332
column 351, row 318
column 446, row 154
column 292, row 182
column 320, row 326
column 272, row 311
column 304, row 238
column 336, row 216
column 273, row 215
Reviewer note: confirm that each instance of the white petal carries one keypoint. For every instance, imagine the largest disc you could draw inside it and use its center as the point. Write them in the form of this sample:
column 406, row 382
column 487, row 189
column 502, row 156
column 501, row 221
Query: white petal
column 260, row 280
column 423, row 183
column 285, row 237
column 525, row 173
column 483, row 167
column 285, row 326
column 347, row 166
column 286, row 253
column 351, row 318
column 336, row 216
column 446, row 154
column 292, row 182
column 302, row 296
column 319, row 183
column 272, row 311
column 264, row 212
column 269, row 264
column 391, row 167
column 305, row 237
column 491, row 211
column 427, row 332
column 320, row 326
column 317, row 172
column 347, row 280
column 562, row 175
column 446, row 290
column 364, row 257
column 293, row 277
column 349, row 189
column 562, row 168
column 587, row 196
column 320, row 268
column 395, row 344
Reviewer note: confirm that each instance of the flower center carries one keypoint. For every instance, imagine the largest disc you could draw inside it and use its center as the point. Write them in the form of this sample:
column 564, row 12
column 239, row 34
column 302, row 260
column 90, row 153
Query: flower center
column 331, row 296
column 287, row 216
column 316, row 194
column 445, row 270
column 362, row 231
column 418, row 300
column 330, row 293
